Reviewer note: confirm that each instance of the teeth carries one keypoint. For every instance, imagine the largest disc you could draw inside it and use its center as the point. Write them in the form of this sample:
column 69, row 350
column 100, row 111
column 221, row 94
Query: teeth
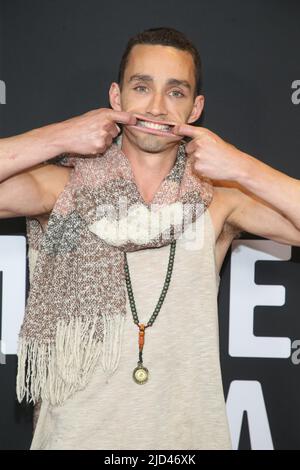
column 152, row 125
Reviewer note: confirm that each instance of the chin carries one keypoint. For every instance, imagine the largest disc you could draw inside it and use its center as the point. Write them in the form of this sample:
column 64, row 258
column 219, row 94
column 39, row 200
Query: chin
column 152, row 143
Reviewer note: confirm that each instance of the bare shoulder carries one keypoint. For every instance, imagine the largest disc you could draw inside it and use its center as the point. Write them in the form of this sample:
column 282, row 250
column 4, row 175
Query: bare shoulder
column 32, row 192
column 51, row 178
column 50, row 174
column 223, row 203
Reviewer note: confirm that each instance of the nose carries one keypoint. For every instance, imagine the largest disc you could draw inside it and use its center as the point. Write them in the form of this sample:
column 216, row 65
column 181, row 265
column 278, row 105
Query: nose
column 157, row 106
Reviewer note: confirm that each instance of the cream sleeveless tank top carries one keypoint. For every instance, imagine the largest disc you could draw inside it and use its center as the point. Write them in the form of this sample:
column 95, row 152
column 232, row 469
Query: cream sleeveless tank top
column 182, row 405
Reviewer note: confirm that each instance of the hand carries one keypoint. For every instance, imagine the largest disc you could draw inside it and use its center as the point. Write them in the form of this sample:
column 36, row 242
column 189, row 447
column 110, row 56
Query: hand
column 90, row 133
column 211, row 155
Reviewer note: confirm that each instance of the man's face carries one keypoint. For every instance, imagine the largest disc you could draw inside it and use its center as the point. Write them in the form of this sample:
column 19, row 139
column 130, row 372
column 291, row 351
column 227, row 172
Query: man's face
column 158, row 87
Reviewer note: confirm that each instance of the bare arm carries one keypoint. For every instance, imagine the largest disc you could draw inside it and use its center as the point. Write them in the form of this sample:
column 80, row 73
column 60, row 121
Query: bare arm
column 265, row 201
column 262, row 200
column 274, row 187
column 88, row 134
column 29, row 187
column 27, row 150
column 32, row 192
column 253, row 215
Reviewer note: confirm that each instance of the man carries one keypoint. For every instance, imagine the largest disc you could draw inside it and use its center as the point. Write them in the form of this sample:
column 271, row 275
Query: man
column 180, row 404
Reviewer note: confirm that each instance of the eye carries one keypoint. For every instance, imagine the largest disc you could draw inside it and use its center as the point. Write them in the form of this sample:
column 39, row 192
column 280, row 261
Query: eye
column 178, row 94
column 140, row 88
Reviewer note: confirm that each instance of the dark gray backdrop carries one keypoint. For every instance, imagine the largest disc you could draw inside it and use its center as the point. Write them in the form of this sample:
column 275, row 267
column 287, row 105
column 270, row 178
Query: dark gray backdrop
column 58, row 59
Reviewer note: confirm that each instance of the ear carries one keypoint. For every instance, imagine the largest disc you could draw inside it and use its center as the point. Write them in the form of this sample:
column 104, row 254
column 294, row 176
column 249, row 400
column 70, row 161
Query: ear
column 197, row 109
column 115, row 96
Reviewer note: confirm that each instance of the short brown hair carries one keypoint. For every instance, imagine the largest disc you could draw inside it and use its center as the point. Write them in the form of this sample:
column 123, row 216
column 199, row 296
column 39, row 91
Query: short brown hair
column 164, row 37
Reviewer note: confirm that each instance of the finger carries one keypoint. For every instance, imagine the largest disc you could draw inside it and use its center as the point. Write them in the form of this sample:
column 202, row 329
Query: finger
column 122, row 117
column 108, row 139
column 114, row 130
column 186, row 130
column 191, row 146
column 110, row 126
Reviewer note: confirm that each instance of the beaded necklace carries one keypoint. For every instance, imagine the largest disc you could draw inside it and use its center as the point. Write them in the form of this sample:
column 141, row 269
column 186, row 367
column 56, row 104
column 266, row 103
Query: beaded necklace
column 141, row 373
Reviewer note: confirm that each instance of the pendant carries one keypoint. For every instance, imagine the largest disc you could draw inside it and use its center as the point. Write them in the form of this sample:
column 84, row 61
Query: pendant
column 140, row 374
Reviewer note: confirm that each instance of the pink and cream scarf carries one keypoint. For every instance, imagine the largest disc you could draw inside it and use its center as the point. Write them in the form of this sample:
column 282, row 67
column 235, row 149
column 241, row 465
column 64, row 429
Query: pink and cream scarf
column 77, row 301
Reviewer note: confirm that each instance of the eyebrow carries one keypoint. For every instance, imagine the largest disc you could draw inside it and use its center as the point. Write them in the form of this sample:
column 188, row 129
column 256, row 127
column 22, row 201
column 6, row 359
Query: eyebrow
column 148, row 78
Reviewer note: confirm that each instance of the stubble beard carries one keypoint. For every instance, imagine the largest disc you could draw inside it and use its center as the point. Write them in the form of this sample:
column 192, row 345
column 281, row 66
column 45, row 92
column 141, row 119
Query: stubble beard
column 151, row 143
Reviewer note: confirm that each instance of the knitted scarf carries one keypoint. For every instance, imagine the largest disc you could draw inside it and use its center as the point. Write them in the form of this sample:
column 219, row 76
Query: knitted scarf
column 76, row 306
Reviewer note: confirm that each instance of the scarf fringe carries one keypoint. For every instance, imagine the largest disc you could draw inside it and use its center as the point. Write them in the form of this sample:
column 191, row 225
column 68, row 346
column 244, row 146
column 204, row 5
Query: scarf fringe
column 55, row 371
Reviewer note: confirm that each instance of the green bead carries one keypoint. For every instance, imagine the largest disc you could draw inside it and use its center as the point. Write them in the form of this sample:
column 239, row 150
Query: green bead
column 164, row 289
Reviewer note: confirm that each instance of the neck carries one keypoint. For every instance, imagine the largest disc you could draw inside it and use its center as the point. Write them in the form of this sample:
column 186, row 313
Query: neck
column 155, row 164
column 149, row 169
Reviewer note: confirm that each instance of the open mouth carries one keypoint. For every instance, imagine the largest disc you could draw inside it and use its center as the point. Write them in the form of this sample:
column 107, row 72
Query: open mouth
column 152, row 127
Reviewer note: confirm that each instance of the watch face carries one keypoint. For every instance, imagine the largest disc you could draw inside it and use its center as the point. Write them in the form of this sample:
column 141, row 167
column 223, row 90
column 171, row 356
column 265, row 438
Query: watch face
column 140, row 374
